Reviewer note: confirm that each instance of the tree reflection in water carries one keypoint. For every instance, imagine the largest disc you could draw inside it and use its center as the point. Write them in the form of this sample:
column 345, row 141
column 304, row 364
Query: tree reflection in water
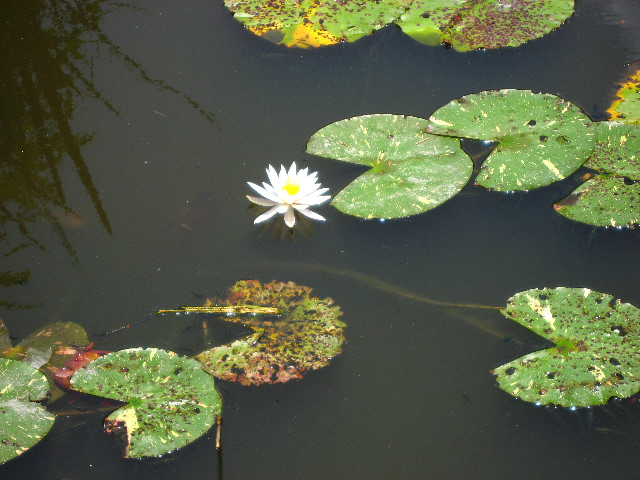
column 43, row 46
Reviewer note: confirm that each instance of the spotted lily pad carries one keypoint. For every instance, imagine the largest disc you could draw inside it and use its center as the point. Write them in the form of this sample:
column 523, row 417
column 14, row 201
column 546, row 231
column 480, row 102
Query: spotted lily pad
column 170, row 400
column 611, row 198
column 306, row 336
column 473, row 24
column 46, row 349
column 595, row 357
column 626, row 106
column 308, row 23
column 411, row 171
column 542, row 138
column 23, row 423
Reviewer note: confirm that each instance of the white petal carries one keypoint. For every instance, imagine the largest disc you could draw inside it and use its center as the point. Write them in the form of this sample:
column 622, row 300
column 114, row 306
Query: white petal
column 266, row 215
column 264, row 192
column 308, row 213
column 292, row 170
column 273, row 177
column 262, row 201
column 290, row 217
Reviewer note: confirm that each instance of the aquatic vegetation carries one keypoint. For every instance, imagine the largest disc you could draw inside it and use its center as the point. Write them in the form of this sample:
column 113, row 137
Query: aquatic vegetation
column 23, row 422
column 289, row 192
column 461, row 24
column 170, row 400
column 304, row 337
column 626, row 107
column 595, row 356
column 411, row 171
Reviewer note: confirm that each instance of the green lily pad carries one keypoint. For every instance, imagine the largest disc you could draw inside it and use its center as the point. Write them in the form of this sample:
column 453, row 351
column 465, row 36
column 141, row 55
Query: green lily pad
column 306, row 336
column 472, row 24
column 626, row 107
column 595, row 357
column 23, row 423
column 46, row 349
column 308, row 23
column 603, row 201
column 542, row 138
column 411, row 171
column 171, row 401
column 617, row 150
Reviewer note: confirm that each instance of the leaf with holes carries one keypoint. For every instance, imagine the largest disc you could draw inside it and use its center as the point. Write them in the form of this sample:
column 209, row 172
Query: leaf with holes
column 170, row 400
column 472, row 24
column 542, row 138
column 611, row 199
column 308, row 23
column 23, row 423
column 306, row 336
column 411, row 171
column 626, row 107
column 595, row 357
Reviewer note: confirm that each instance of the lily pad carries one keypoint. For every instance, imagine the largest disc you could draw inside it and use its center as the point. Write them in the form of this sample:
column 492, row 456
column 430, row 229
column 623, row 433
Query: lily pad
column 542, row 138
column 171, row 401
column 603, row 201
column 617, row 150
column 308, row 23
column 23, row 423
column 626, row 107
column 613, row 198
column 473, row 24
column 411, row 171
column 595, row 357
column 284, row 347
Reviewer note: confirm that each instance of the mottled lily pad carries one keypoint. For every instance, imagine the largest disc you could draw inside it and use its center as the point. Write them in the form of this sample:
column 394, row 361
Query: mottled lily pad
column 23, row 423
column 170, row 400
column 626, row 106
column 308, row 23
column 472, row 24
column 611, row 199
column 46, row 349
column 595, row 357
column 284, row 347
column 603, row 201
column 411, row 171
column 542, row 138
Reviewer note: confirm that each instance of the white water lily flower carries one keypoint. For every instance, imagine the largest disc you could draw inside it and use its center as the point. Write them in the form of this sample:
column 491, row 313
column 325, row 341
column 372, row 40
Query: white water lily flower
column 288, row 192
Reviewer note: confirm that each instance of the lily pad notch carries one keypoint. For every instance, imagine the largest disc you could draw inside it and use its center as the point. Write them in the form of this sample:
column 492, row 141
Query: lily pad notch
column 595, row 356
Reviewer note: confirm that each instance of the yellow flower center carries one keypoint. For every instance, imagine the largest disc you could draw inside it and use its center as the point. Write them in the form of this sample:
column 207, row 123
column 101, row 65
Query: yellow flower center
column 291, row 187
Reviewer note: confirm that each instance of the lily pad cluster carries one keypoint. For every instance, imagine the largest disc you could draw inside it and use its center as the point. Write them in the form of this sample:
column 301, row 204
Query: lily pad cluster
column 461, row 24
column 540, row 138
column 595, row 356
column 626, row 107
column 304, row 337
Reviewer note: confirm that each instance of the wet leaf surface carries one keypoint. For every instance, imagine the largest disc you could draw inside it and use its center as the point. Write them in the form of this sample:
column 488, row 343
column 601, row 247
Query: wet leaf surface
column 613, row 198
column 23, row 423
column 542, row 138
column 626, row 107
column 170, row 400
column 46, row 349
column 305, row 337
column 473, row 24
column 309, row 23
column 411, row 171
column 603, row 201
column 595, row 357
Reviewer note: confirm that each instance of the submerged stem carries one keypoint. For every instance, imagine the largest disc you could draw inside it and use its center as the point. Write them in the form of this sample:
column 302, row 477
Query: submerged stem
column 226, row 310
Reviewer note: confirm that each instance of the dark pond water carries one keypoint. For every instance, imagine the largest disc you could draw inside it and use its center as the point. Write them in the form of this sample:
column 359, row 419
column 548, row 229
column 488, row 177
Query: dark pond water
column 147, row 119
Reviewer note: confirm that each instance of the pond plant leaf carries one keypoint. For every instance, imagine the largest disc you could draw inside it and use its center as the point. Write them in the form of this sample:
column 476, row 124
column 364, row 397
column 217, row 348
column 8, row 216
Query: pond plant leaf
column 595, row 357
column 170, row 400
column 542, row 138
column 611, row 198
column 473, row 24
column 411, row 171
column 626, row 106
column 313, row 23
column 306, row 336
column 23, row 423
